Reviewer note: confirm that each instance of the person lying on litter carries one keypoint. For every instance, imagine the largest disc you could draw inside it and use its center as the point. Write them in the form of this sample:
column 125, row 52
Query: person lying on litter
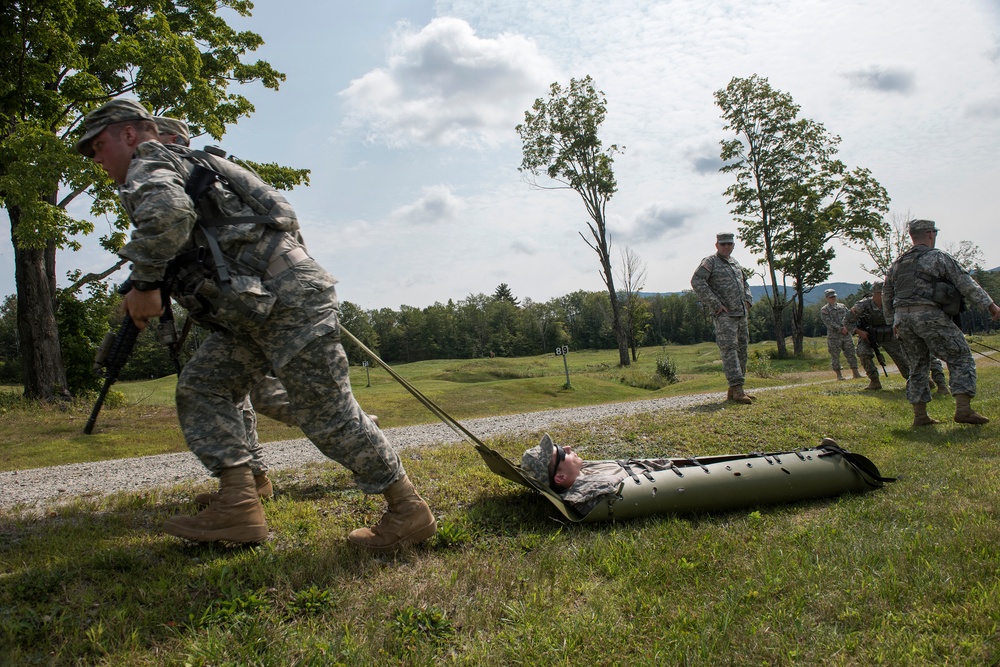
column 608, row 489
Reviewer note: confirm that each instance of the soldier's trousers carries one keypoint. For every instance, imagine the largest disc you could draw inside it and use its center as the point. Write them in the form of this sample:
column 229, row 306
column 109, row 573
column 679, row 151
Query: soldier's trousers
column 269, row 398
column 227, row 366
column 930, row 332
column 733, row 336
column 892, row 348
column 836, row 344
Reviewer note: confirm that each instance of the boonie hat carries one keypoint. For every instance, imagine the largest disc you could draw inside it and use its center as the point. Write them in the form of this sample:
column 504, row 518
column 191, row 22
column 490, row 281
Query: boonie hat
column 536, row 462
column 724, row 237
column 921, row 226
column 830, row 292
column 117, row 110
column 165, row 125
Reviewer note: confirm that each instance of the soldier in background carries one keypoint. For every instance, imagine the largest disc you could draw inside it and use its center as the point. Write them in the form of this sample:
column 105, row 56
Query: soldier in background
column 838, row 336
column 867, row 320
column 920, row 285
column 722, row 286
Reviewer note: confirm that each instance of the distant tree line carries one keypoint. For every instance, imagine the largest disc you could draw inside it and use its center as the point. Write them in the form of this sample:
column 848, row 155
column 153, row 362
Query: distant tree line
column 478, row 326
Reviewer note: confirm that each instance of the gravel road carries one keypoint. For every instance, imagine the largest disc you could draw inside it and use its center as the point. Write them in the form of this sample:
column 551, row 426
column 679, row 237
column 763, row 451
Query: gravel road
column 40, row 486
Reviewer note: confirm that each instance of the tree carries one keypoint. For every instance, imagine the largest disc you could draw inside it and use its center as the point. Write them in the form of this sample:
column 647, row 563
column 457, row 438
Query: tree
column 635, row 312
column 63, row 58
column 560, row 139
column 791, row 195
column 503, row 293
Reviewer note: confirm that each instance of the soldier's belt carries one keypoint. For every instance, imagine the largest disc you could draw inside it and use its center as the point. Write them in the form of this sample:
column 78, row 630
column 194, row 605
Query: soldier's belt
column 916, row 309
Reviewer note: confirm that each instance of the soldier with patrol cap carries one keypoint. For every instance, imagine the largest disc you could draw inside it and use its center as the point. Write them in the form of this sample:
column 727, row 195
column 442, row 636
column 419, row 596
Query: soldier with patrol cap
column 721, row 284
column 271, row 307
column 838, row 336
column 922, row 294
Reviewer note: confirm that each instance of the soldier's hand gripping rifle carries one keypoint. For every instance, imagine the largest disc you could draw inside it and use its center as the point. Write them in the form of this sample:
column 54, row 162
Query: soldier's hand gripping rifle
column 116, row 348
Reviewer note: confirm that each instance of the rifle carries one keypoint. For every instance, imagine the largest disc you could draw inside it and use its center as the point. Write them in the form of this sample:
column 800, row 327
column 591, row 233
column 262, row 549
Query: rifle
column 116, row 348
column 873, row 341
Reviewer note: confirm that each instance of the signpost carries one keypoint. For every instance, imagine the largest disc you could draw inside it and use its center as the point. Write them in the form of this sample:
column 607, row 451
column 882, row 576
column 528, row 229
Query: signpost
column 564, row 352
column 367, row 372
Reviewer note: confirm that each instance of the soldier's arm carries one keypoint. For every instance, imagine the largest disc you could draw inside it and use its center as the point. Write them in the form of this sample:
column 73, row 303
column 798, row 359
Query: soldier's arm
column 969, row 288
column 162, row 213
column 699, row 283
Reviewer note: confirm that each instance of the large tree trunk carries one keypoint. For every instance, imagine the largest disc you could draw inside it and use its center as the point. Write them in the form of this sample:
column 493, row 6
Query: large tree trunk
column 41, row 356
column 798, row 327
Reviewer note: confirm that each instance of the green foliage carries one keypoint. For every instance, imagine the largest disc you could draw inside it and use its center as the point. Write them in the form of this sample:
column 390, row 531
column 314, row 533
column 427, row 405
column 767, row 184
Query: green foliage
column 560, row 139
column 82, row 326
column 759, row 365
column 666, row 368
column 416, row 625
column 311, row 601
column 233, row 609
column 450, row 535
column 791, row 196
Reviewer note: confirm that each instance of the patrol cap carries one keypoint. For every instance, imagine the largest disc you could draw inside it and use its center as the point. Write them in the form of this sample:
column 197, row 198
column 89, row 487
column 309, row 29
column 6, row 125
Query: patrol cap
column 921, row 226
column 165, row 125
column 829, row 293
column 117, row 110
column 724, row 237
column 536, row 462
column 877, row 286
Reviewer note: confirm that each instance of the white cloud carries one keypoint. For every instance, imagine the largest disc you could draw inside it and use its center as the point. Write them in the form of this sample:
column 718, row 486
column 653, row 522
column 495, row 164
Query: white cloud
column 444, row 85
column 437, row 205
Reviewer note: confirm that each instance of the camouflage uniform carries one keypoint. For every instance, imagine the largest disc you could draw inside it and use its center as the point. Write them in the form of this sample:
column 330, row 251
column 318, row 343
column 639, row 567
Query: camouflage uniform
column 720, row 281
column 923, row 327
column 865, row 314
column 285, row 322
column 833, row 316
column 271, row 400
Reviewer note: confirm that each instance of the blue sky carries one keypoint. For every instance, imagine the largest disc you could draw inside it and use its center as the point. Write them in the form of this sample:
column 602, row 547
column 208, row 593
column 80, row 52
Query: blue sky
column 405, row 112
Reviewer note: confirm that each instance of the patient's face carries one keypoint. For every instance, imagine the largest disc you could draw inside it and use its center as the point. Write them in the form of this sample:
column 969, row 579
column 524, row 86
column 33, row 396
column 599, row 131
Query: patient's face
column 568, row 469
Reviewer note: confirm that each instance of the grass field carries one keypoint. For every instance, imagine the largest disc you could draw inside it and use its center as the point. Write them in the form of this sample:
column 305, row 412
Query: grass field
column 904, row 575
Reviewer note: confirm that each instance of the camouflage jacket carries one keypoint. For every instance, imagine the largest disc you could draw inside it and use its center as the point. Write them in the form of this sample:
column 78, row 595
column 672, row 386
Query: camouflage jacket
column 920, row 265
column 599, row 479
column 833, row 317
column 864, row 314
column 719, row 281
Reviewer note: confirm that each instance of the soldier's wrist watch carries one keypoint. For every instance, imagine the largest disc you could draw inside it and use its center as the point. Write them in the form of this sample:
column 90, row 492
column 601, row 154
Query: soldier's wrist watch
column 146, row 285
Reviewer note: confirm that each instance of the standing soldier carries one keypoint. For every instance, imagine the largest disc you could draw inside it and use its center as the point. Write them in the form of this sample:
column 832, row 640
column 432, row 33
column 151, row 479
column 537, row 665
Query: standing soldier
column 721, row 285
column 922, row 293
column 271, row 306
column 867, row 320
column 838, row 338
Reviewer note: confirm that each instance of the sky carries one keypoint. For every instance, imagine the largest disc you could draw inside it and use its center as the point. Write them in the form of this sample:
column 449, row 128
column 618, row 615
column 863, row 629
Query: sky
column 405, row 112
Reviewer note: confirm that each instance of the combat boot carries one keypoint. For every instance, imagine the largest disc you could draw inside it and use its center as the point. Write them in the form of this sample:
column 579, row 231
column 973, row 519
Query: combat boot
column 855, row 375
column 236, row 516
column 261, row 480
column 840, row 376
column 964, row 414
column 920, row 416
column 407, row 520
column 737, row 396
column 874, row 384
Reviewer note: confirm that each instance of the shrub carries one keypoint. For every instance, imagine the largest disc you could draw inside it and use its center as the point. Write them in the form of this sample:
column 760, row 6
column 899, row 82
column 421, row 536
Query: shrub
column 759, row 365
column 666, row 368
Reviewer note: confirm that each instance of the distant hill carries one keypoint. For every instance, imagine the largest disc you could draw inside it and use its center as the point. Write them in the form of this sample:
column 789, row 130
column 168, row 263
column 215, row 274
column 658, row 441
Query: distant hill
column 815, row 295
